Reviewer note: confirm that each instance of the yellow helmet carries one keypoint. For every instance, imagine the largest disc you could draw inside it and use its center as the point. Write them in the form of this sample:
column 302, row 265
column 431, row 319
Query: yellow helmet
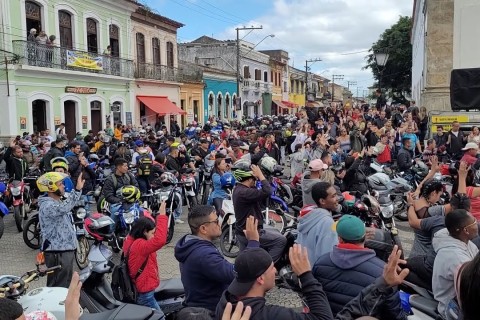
column 130, row 193
column 48, row 181
column 59, row 162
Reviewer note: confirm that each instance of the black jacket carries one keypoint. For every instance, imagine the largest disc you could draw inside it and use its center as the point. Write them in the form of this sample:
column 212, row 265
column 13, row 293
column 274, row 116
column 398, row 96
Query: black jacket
column 249, row 202
column 404, row 160
column 89, row 177
column 16, row 168
column 173, row 164
column 456, row 143
column 110, row 188
column 102, row 152
column 356, row 176
column 52, row 153
column 440, row 140
column 345, row 272
column 74, row 167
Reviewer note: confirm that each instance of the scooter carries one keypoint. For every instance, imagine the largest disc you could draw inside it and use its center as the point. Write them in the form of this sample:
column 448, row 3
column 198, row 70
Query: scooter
column 228, row 240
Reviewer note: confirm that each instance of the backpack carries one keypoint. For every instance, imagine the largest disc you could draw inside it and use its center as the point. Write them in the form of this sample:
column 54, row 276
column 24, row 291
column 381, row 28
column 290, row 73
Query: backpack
column 144, row 164
column 123, row 287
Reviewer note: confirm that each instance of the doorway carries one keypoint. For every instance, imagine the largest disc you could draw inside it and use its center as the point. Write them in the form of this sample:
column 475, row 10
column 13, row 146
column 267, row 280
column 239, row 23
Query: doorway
column 70, row 118
column 96, row 116
column 39, row 115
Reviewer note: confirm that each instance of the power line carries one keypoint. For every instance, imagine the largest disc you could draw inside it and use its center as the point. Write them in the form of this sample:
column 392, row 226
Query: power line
column 203, row 13
column 220, row 9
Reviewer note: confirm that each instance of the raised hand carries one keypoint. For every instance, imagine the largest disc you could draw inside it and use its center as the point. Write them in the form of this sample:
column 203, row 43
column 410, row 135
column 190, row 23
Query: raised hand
column 72, row 302
column 391, row 273
column 239, row 314
column 80, row 182
column 251, row 229
column 299, row 259
column 463, row 168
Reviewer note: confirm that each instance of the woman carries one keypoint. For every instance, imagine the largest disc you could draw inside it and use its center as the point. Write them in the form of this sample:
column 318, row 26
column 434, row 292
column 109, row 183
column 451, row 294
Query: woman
column 422, row 123
column 473, row 193
column 123, row 152
column 297, row 160
column 388, row 129
column 474, row 136
column 140, row 250
column 383, row 150
column 118, row 132
column 219, row 193
column 344, row 140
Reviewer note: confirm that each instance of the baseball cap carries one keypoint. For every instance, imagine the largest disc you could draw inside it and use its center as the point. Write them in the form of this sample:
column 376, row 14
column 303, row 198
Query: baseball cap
column 203, row 140
column 139, row 143
column 350, row 228
column 317, row 165
column 470, row 145
column 249, row 265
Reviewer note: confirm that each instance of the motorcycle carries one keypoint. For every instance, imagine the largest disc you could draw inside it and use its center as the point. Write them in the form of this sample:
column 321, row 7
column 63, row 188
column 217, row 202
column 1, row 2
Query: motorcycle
column 206, row 186
column 188, row 186
column 3, row 208
column 228, row 240
column 97, row 295
column 18, row 197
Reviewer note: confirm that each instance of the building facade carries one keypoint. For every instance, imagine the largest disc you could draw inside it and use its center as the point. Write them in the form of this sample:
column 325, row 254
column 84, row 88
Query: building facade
column 219, row 94
column 72, row 77
column 297, row 86
column 279, row 82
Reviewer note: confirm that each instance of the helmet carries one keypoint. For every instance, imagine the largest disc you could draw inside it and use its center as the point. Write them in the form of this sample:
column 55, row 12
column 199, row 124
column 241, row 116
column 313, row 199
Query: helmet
column 227, row 180
column 48, row 181
column 40, row 315
column 142, row 132
column 106, row 139
column 99, row 226
column 93, row 157
column 241, row 170
column 160, row 134
column 168, row 178
column 378, row 181
column 242, row 164
column 135, row 134
column 269, row 164
column 126, row 136
column 130, row 193
column 59, row 162
column 372, row 204
column 198, row 129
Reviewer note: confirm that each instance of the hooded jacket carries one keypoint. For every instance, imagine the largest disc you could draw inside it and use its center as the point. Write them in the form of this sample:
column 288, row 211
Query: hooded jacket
column 57, row 229
column 451, row 253
column 307, row 185
column 249, row 202
column 204, row 271
column 17, row 168
column 74, row 167
column 140, row 250
column 346, row 271
column 316, row 232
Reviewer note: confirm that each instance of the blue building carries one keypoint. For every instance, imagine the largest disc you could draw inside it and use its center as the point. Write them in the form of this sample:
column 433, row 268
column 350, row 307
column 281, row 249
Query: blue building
column 220, row 93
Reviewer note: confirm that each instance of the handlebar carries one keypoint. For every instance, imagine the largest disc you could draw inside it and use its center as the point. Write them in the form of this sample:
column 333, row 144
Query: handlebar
column 28, row 277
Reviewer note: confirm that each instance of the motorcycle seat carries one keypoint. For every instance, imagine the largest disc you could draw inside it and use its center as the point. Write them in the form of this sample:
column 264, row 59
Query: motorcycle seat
column 169, row 288
column 125, row 312
column 427, row 306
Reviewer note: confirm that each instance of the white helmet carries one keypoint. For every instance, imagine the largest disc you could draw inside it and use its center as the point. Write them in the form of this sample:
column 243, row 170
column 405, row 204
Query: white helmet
column 268, row 163
column 378, row 181
column 160, row 134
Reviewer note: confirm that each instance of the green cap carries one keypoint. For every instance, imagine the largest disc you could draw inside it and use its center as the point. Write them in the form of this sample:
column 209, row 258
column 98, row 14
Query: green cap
column 350, row 228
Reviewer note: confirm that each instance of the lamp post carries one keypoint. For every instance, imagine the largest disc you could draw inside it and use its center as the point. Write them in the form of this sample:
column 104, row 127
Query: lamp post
column 381, row 59
column 335, row 77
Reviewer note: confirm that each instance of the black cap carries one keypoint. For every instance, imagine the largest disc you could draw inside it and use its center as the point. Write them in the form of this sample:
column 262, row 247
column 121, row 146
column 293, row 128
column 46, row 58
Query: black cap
column 249, row 265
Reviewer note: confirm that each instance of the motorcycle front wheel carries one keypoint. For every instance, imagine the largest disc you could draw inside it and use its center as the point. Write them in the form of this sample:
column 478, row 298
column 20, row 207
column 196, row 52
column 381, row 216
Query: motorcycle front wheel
column 229, row 248
column 18, row 212
column 276, row 219
column 81, row 254
column 2, row 226
column 171, row 229
column 31, row 233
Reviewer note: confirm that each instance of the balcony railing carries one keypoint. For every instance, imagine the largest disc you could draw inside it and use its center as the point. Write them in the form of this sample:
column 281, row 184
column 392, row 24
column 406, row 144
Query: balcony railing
column 152, row 71
column 54, row 57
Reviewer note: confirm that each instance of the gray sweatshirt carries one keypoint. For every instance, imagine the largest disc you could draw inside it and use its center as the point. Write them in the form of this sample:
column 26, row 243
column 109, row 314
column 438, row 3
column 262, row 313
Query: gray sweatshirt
column 451, row 253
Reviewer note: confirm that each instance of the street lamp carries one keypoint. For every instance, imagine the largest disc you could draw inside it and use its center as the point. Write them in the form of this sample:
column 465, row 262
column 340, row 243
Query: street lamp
column 381, row 58
column 269, row 36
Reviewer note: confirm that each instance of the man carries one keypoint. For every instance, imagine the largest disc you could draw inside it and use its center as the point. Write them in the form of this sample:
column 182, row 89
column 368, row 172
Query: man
column 316, row 229
column 72, row 155
column 372, row 137
column 249, row 201
column 429, row 150
column 59, row 240
column 453, row 248
column 200, row 152
column 55, row 151
column 381, row 120
column 173, row 162
column 170, row 141
column 205, row 272
column 455, row 139
column 310, row 178
column 332, row 126
column 16, row 164
column 143, row 160
column 350, row 268
column 404, row 157
column 470, row 155
column 107, row 149
column 440, row 137
column 109, row 130
column 61, row 131
column 381, row 101
column 271, row 147
column 415, row 142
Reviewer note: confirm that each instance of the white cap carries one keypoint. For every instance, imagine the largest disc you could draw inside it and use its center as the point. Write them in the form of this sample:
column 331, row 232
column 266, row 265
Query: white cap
column 471, row 145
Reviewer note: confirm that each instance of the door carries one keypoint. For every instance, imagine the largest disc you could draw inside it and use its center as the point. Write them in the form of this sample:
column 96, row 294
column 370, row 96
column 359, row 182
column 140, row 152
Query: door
column 70, row 119
column 39, row 115
column 96, row 116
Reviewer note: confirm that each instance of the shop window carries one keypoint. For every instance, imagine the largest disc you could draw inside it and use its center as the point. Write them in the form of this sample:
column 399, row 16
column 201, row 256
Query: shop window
column 66, row 32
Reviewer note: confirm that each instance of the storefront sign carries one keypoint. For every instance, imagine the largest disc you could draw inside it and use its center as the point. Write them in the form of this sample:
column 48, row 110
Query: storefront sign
column 23, row 123
column 81, row 90
column 128, row 117
column 84, row 122
column 190, row 117
column 57, row 121
column 84, row 60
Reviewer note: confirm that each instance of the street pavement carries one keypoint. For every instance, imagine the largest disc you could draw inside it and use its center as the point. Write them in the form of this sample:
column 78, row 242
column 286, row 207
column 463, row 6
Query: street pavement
column 16, row 258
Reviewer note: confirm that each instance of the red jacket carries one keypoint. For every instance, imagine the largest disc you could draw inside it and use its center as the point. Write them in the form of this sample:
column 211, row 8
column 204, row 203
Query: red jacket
column 141, row 249
column 385, row 156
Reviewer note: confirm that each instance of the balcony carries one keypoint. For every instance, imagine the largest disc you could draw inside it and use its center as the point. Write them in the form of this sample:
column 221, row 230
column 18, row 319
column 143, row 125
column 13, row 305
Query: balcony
column 267, row 87
column 248, row 85
column 164, row 73
column 256, row 85
column 61, row 58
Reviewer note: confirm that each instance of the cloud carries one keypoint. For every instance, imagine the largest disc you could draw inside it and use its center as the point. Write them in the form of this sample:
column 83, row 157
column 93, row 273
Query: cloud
column 327, row 29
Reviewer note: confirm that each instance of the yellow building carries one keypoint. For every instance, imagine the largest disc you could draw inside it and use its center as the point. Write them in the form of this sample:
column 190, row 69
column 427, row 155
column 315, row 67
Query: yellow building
column 297, row 87
column 191, row 101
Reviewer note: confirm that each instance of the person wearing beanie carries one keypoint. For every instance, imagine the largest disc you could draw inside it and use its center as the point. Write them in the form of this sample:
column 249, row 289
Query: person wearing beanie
column 351, row 267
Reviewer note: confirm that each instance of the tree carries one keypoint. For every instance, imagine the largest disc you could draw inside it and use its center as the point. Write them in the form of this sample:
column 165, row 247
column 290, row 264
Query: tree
column 395, row 77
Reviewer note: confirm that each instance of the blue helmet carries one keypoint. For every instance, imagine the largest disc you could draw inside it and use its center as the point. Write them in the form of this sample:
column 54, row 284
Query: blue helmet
column 227, row 180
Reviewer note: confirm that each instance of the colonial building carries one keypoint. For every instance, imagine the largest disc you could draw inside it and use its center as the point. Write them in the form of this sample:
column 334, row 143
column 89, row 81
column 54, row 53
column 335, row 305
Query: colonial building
column 280, row 103
column 72, row 77
column 297, row 86
column 220, row 93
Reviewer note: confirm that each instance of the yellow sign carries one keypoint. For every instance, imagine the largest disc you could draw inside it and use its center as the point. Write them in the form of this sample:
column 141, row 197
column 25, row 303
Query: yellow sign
column 446, row 128
column 23, row 123
column 449, row 119
column 57, row 121
column 84, row 60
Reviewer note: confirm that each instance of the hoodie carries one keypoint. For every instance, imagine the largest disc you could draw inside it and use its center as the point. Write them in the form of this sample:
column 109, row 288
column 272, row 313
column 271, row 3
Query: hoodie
column 307, row 185
column 204, row 271
column 57, row 229
column 348, row 270
column 451, row 253
column 316, row 232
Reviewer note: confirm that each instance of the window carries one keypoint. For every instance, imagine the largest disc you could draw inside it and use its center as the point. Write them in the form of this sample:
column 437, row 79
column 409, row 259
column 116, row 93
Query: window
column 265, row 76
column 275, row 82
column 271, row 76
column 66, row 35
column 33, row 13
column 114, row 40
column 227, row 107
column 258, row 74
column 170, row 55
column 246, row 72
column 92, row 43
column 140, row 47
column 285, row 86
column 292, row 85
column 156, row 51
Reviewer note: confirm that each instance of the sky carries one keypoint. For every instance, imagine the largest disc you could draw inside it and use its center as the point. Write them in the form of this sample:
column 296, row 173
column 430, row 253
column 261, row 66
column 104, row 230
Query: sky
column 339, row 32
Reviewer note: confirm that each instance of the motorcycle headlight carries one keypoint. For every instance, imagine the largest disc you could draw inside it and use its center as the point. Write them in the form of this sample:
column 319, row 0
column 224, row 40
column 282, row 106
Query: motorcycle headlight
column 129, row 216
column 15, row 191
column 387, row 211
column 81, row 213
column 164, row 196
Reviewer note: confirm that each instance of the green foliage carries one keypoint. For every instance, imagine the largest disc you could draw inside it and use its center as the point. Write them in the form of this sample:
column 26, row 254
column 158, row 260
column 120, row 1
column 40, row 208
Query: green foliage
column 395, row 77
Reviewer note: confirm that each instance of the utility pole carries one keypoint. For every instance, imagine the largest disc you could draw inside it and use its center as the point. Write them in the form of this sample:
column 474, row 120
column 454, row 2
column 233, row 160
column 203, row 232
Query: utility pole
column 239, row 99
column 351, row 83
column 335, row 77
column 306, row 76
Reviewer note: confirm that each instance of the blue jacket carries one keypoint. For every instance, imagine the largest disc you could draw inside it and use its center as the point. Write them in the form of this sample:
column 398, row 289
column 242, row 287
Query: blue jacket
column 344, row 273
column 316, row 232
column 218, row 191
column 204, row 271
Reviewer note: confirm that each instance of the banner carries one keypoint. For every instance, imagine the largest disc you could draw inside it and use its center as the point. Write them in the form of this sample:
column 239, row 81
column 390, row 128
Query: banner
column 84, row 60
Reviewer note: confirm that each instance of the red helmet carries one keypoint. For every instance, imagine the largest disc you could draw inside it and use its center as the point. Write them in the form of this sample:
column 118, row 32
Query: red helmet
column 99, row 226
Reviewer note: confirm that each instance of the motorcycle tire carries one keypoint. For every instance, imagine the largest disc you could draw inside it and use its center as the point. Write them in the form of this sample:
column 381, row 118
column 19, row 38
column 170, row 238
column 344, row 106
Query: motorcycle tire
column 396, row 241
column 402, row 215
column 2, row 227
column 276, row 219
column 31, row 233
column 206, row 192
column 81, row 254
column 192, row 200
column 229, row 248
column 171, row 230
column 18, row 214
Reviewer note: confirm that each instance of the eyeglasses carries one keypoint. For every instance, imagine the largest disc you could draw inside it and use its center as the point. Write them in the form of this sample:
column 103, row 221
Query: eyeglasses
column 214, row 221
column 470, row 225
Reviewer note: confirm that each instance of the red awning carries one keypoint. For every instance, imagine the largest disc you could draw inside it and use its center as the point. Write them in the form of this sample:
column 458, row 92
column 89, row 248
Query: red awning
column 280, row 104
column 315, row 104
column 290, row 104
column 160, row 105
